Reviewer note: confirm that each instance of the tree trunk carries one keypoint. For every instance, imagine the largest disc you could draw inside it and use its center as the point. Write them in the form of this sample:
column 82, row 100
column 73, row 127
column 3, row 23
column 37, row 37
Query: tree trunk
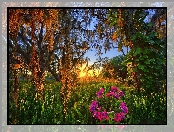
column 38, row 73
column 38, row 79
column 15, row 95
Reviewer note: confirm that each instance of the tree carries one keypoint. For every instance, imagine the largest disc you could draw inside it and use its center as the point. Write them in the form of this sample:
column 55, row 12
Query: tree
column 114, row 68
column 28, row 38
column 147, row 48
column 42, row 37
column 119, row 69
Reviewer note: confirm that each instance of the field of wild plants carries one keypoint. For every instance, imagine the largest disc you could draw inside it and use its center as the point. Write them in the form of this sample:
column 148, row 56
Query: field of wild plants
column 90, row 103
column 72, row 45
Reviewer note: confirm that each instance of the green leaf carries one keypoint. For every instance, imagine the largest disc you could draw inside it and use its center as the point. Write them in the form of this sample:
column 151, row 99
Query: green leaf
column 147, row 61
column 141, row 67
column 150, row 24
column 138, row 51
column 157, row 41
column 145, row 51
column 141, row 58
column 134, row 37
column 151, row 41
column 149, row 77
column 145, row 56
column 156, row 33
column 137, row 60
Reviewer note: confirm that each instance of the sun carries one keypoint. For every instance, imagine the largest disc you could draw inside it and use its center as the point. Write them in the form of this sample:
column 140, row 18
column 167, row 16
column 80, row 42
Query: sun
column 82, row 74
column 88, row 73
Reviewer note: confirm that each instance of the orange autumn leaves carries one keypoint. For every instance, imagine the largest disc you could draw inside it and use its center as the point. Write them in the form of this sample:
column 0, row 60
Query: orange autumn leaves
column 30, row 17
column 15, row 66
column 114, row 36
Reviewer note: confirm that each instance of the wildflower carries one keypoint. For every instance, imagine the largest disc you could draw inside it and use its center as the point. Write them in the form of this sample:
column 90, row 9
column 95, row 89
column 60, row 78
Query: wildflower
column 108, row 94
column 100, row 93
column 102, row 89
column 99, row 115
column 121, row 94
column 124, row 108
column 95, row 114
column 95, row 102
column 99, row 108
column 112, row 93
column 118, row 117
column 93, row 106
column 114, row 89
column 122, row 104
column 104, row 115
column 116, row 96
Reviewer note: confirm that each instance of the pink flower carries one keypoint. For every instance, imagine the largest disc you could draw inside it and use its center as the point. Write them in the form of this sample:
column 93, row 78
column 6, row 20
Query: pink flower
column 99, row 116
column 100, row 93
column 116, row 96
column 122, row 103
column 124, row 108
column 114, row 89
column 105, row 115
column 121, row 94
column 119, row 117
column 108, row 95
column 95, row 114
column 101, row 89
column 93, row 106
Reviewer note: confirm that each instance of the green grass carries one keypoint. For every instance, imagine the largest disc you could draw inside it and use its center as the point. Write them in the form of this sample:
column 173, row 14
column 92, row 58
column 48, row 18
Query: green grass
column 143, row 109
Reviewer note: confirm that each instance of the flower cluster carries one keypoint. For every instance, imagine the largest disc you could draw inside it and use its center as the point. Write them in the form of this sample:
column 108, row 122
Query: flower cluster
column 121, row 115
column 97, row 113
column 124, row 108
column 100, row 93
column 101, row 114
column 115, row 93
column 93, row 106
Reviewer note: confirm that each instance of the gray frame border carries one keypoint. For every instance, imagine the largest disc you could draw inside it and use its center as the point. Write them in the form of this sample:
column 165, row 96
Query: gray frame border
column 65, row 128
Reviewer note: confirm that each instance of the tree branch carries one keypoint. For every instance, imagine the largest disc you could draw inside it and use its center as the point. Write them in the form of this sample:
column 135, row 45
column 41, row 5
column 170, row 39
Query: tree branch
column 19, row 50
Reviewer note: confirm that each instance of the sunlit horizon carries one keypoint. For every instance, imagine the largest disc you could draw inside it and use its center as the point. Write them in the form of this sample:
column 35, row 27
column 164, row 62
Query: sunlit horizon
column 88, row 73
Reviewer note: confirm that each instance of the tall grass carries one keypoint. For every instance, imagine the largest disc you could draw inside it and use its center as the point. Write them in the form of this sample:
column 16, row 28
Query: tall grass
column 143, row 109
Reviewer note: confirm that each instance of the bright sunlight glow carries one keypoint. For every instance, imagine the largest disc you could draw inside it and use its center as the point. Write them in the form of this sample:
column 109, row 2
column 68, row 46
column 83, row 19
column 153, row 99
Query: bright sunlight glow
column 89, row 73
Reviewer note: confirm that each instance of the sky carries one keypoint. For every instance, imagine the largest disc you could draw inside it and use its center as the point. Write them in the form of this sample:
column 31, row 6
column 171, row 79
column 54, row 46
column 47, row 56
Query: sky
column 110, row 54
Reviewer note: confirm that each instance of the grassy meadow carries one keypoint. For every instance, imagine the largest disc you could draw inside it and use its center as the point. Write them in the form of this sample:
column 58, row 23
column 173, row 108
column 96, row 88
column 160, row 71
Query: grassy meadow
column 143, row 108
